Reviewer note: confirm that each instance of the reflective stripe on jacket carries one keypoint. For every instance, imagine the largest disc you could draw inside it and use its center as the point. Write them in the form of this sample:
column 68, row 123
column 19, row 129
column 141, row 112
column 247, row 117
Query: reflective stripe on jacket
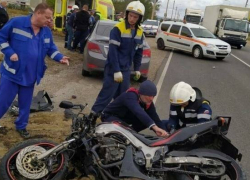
column 124, row 48
column 196, row 112
column 15, row 37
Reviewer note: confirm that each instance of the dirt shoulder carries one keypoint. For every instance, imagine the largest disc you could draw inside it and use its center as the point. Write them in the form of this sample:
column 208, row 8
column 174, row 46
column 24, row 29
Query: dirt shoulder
column 61, row 82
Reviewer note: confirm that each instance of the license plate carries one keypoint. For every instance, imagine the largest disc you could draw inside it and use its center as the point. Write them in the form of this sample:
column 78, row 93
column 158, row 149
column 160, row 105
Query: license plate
column 223, row 52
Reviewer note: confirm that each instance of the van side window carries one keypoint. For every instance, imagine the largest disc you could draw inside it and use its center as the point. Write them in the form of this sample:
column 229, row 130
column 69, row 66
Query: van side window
column 175, row 29
column 185, row 32
column 164, row 27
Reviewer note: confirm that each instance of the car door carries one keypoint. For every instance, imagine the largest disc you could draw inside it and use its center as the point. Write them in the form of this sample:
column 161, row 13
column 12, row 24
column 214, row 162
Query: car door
column 173, row 36
column 186, row 41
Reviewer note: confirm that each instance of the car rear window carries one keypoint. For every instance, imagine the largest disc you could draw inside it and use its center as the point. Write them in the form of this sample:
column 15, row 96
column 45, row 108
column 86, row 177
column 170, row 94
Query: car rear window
column 153, row 23
column 104, row 30
column 175, row 29
column 164, row 27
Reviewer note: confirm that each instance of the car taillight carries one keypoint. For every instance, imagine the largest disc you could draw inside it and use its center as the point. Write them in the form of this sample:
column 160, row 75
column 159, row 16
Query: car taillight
column 91, row 66
column 94, row 47
column 144, row 71
column 147, row 53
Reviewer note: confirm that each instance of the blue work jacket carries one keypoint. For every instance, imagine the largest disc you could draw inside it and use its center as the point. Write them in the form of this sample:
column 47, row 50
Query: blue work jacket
column 124, row 48
column 15, row 37
column 195, row 112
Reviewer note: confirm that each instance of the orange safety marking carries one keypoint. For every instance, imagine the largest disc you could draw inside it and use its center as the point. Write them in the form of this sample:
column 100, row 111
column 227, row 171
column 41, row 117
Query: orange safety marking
column 187, row 38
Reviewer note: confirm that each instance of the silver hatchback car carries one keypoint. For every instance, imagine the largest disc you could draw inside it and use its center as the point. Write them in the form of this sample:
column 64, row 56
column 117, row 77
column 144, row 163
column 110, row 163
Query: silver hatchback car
column 97, row 47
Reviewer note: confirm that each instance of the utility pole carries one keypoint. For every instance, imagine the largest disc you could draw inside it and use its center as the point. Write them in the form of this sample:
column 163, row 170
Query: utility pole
column 172, row 11
column 166, row 13
column 153, row 9
column 246, row 3
column 175, row 13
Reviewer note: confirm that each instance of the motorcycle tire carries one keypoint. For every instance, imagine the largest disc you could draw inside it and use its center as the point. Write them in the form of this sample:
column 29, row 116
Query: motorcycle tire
column 8, row 166
column 233, row 169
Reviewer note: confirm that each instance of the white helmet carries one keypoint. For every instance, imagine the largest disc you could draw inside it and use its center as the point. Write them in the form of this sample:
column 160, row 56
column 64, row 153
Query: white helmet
column 181, row 93
column 136, row 7
column 74, row 7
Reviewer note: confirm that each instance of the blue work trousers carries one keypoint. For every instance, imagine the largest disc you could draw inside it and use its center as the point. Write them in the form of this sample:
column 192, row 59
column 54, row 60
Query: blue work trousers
column 8, row 92
column 110, row 89
column 80, row 36
column 70, row 36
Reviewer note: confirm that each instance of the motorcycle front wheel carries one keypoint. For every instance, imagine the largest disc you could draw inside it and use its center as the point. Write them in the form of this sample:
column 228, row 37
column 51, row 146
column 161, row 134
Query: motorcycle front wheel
column 17, row 164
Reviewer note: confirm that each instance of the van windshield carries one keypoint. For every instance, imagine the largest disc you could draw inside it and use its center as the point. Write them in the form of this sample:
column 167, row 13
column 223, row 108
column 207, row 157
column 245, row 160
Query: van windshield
column 236, row 25
column 193, row 19
column 202, row 33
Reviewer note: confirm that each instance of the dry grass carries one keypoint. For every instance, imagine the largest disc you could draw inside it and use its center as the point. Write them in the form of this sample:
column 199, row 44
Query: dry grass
column 16, row 12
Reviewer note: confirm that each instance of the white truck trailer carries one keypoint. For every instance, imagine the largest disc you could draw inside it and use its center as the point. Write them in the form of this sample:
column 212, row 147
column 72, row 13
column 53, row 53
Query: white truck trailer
column 229, row 23
column 193, row 15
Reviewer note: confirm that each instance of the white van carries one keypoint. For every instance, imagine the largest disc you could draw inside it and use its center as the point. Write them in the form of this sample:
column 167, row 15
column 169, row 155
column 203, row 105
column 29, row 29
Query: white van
column 192, row 38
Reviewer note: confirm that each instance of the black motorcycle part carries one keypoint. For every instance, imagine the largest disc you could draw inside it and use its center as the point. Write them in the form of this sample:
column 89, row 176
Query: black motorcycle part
column 233, row 170
column 8, row 170
column 130, row 169
column 209, row 153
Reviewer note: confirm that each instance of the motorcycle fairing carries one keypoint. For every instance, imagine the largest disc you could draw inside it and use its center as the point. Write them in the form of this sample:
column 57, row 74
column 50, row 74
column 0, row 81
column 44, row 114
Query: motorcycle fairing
column 130, row 169
column 185, row 133
column 109, row 128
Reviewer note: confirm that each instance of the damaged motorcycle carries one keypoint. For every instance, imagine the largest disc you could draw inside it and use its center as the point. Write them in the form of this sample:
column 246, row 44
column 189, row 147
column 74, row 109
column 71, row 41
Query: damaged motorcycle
column 112, row 151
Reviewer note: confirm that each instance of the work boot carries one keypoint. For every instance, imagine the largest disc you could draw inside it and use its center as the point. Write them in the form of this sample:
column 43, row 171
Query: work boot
column 23, row 133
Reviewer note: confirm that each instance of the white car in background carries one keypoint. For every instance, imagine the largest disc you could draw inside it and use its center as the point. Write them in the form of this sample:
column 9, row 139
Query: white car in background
column 192, row 38
column 150, row 27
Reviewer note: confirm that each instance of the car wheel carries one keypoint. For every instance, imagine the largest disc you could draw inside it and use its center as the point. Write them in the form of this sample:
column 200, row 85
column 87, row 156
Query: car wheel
column 85, row 73
column 220, row 58
column 239, row 47
column 160, row 44
column 197, row 52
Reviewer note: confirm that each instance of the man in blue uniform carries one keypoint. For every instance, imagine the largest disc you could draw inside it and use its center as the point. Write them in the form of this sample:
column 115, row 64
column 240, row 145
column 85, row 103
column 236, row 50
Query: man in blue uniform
column 187, row 107
column 136, row 108
column 25, row 41
column 125, row 47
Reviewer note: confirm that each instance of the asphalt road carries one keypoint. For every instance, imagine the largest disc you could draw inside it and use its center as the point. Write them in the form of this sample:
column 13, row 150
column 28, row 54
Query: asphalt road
column 226, row 84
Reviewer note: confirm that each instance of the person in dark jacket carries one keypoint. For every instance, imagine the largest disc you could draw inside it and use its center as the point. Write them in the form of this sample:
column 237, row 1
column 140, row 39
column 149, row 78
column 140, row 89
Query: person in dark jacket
column 4, row 17
column 81, row 26
column 136, row 108
column 69, row 26
column 187, row 107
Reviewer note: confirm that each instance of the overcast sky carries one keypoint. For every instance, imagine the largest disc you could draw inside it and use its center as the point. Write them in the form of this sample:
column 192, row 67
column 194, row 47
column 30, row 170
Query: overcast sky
column 195, row 4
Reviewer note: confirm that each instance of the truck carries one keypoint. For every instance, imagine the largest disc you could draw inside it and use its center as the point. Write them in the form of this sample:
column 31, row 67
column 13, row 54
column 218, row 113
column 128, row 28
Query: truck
column 229, row 23
column 193, row 15
column 62, row 7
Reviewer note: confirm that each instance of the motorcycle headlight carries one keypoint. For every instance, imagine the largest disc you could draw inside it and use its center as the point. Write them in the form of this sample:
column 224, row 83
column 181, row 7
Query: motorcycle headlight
column 211, row 46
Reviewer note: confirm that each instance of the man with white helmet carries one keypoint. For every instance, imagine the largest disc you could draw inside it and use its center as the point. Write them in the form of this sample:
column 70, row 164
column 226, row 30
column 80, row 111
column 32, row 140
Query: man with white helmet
column 125, row 48
column 69, row 26
column 187, row 106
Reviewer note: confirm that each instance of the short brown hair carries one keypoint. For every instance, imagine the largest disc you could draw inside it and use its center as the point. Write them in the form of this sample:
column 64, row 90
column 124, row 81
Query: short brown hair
column 42, row 7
